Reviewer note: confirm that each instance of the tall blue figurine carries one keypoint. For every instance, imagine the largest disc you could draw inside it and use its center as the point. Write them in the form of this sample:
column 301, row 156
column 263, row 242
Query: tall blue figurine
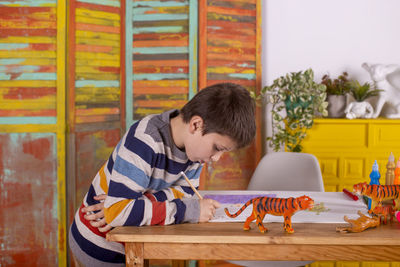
column 374, row 175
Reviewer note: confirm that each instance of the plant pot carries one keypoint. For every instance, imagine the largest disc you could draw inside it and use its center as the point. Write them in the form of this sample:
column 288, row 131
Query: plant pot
column 336, row 106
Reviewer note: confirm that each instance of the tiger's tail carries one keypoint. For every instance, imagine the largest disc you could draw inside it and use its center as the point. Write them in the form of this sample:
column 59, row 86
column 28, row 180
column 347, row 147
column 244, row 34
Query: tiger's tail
column 248, row 203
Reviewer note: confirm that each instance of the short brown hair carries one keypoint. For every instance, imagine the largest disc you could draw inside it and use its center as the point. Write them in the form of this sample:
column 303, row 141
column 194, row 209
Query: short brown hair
column 226, row 109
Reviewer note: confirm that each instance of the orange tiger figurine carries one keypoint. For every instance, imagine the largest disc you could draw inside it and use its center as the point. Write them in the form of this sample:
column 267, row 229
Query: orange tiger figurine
column 383, row 212
column 275, row 206
column 379, row 193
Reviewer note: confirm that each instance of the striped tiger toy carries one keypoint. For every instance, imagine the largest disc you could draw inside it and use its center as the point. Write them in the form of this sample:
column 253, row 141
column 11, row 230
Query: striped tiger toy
column 379, row 193
column 275, row 206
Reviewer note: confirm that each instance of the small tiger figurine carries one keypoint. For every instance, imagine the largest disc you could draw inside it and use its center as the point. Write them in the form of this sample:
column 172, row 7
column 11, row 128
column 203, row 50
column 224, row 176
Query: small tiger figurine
column 379, row 193
column 383, row 212
column 362, row 223
column 275, row 206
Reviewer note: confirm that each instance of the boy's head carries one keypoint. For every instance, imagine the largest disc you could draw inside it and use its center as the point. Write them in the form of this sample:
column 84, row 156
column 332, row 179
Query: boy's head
column 226, row 109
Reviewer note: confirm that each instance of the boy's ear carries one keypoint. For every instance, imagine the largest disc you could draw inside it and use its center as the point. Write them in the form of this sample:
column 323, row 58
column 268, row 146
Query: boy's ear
column 196, row 123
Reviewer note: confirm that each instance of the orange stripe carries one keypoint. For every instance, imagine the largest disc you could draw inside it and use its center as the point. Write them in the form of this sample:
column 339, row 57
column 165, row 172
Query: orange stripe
column 159, row 90
column 214, row 56
column 97, row 111
column 231, row 38
column 163, row 84
column 97, row 28
column 112, row 212
column 180, row 63
column 93, row 48
column 161, row 36
column 23, row 112
column 231, row 11
column 160, row 43
column 241, row 82
column 159, row 103
column 103, row 180
column 151, row 69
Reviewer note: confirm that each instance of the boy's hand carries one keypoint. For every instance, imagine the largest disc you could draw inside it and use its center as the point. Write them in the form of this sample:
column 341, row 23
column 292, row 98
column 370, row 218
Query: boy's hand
column 207, row 209
column 97, row 219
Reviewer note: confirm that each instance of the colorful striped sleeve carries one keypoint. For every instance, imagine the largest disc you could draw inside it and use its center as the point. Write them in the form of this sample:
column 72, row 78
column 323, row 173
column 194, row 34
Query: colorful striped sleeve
column 141, row 189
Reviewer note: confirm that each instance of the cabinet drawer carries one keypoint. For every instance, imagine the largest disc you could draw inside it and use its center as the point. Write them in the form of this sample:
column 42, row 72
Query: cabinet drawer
column 339, row 136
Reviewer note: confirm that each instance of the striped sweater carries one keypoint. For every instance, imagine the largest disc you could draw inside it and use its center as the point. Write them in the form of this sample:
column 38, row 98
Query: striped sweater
column 143, row 186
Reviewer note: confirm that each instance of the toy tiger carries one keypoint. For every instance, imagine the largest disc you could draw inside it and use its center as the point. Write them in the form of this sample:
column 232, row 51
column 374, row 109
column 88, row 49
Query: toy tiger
column 275, row 206
column 383, row 212
column 379, row 193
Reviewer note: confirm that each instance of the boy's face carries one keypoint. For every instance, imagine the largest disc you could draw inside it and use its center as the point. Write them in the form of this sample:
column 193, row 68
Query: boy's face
column 208, row 147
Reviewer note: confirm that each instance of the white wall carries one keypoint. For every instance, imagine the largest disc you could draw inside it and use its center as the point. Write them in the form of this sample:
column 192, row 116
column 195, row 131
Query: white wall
column 329, row 36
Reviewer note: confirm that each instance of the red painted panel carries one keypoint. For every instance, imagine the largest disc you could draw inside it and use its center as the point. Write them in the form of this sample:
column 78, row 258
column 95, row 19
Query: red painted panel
column 28, row 199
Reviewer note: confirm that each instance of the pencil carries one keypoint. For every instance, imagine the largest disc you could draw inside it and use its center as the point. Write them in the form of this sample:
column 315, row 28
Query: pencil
column 194, row 189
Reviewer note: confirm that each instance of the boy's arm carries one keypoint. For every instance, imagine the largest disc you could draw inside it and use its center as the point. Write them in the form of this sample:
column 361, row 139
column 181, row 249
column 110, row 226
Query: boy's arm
column 128, row 203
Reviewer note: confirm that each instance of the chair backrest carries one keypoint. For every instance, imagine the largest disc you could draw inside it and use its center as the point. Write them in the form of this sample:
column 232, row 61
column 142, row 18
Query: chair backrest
column 287, row 171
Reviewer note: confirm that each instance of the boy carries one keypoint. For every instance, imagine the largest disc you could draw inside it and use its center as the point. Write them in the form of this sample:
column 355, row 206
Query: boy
column 141, row 178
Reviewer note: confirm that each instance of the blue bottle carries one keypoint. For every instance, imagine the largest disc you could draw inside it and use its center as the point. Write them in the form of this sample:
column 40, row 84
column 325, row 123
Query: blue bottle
column 374, row 175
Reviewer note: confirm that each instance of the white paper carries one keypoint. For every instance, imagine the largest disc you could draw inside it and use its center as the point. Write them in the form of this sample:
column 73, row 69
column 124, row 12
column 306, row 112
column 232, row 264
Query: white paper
column 337, row 205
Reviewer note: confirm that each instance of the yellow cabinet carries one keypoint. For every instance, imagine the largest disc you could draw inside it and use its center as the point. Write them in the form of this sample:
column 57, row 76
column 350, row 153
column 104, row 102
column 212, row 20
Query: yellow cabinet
column 346, row 149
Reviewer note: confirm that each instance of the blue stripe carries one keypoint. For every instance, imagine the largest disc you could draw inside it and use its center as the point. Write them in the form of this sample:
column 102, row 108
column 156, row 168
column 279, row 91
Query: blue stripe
column 28, row 120
column 131, row 171
column 13, row 46
column 95, row 251
column 160, row 50
column 159, row 76
column 43, row 76
column 180, row 210
column 139, row 16
column 161, row 29
column 136, row 215
column 145, row 152
column 121, row 190
column 110, row 164
column 160, row 196
column 158, row 184
column 188, row 190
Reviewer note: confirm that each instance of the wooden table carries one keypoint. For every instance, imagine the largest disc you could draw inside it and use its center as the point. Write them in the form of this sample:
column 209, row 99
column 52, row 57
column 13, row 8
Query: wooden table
column 228, row 241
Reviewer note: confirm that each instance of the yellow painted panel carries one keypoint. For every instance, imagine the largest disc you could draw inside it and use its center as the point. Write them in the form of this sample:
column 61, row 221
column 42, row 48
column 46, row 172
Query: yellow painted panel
column 354, row 168
column 347, row 264
column 98, row 62
column 336, row 136
column 27, row 54
column 98, row 56
column 329, row 167
column 375, row 264
column 97, row 21
column 97, row 35
column 96, row 14
column 385, row 136
column 28, row 83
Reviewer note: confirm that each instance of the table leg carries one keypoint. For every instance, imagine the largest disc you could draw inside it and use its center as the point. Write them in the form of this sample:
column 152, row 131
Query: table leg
column 134, row 255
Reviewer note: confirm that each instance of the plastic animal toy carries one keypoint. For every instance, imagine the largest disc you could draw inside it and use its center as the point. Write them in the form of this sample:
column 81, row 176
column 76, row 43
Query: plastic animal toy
column 379, row 193
column 285, row 207
column 362, row 223
column 386, row 78
column 383, row 212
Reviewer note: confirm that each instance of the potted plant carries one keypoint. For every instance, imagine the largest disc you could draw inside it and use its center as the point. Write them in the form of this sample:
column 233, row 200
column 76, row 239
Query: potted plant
column 360, row 108
column 296, row 100
column 336, row 90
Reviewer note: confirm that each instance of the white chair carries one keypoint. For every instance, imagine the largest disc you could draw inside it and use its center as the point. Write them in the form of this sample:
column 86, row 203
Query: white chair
column 285, row 171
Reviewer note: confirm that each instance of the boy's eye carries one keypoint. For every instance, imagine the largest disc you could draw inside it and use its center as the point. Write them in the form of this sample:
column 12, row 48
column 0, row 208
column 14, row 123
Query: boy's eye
column 217, row 148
